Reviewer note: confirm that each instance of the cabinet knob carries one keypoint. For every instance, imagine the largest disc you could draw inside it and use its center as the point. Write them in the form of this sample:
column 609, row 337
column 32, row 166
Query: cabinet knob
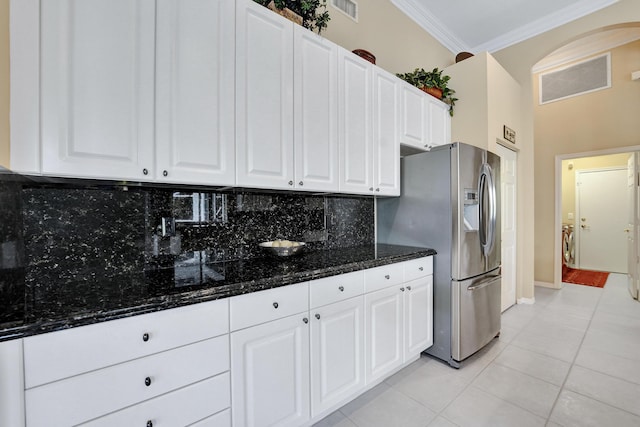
column 165, row 173
column 275, row 305
column 387, row 277
column 421, row 268
column 370, row 188
column 408, row 288
column 149, row 423
column 145, row 337
column 305, row 320
column 341, row 288
column 147, row 381
column 290, row 182
column 378, row 189
column 318, row 316
column 402, row 289
column 145, row 171
column 301, row 183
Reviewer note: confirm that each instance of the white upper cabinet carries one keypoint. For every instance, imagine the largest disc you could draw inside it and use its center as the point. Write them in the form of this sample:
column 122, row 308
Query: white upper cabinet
column 194, row 91
column 97, row 88
column 316, row 112
column 386, row 133
column 264, row 97
column 439, row 130
column 414, row 110
column 355, row 124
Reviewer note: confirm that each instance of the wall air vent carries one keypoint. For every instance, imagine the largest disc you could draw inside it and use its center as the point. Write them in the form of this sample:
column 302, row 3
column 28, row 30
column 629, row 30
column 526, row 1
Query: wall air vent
column 348, row 7
column 576, row 79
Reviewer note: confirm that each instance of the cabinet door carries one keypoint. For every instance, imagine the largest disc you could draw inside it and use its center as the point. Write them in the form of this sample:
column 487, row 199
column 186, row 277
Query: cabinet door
column 11, row 384
column 97, row 88
column 337, row 356
column 195, row 138
column 355, row 127
column 439, row 130
column 264, row 97
column 418, row 316
column 413, row 124
column 386, row 133
column 270, row 373
column 383, row 332
column 316, row 112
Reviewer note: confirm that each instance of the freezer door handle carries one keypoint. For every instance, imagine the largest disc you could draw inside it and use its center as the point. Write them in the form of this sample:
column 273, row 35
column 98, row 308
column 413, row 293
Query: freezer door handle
column 482, row 283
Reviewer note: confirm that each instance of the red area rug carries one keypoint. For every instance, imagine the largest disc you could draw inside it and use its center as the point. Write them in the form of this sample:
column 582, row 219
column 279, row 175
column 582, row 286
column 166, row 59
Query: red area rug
column 584, row 277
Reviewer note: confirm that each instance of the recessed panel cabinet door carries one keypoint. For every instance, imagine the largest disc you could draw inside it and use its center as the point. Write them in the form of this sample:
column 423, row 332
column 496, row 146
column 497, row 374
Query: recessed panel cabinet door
column 264, row 97
column 270, row 374
column 97, row 88
column 195, row 95
column 414, row 112
column 355, row 127
column 439, row 131
column 418, row 325
column 386, row 133
column 316, row 112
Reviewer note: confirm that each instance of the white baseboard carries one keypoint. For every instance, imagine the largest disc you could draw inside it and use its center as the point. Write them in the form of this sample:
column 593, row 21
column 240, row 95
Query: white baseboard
column 545, row 285
column 526, row 301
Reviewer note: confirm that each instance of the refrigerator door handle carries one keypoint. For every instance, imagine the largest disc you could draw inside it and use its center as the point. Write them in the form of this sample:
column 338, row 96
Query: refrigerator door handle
column 486, row 281
column 487, row 214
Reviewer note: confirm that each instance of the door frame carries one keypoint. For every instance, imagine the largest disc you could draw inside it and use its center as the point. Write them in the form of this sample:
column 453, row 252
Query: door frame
column 557, row 239
column 500, row 146
column 577, row 232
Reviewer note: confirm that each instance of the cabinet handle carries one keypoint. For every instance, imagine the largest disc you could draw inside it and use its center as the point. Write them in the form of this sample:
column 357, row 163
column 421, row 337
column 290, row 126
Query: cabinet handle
column 402, row 289
column 275, row 305
column 408, row 288
column 165, row 173
column 318, row 316
column 149, row 423
column 147, row 381
column 387, row 277
column 341, row 288
column 421, row 268
column 145, row 171
column 305, row 320
column 145, row 337
column 301, row 183
column 290, row 182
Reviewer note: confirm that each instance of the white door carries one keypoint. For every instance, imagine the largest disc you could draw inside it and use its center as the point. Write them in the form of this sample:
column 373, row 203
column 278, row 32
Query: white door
column 386, row 133
column 384, row 332
column 354, row 125
column 316, row 112
column 602, row 207
column 270, row 373
column 97, row 88
column 418, row 316
column 508, row 216
column 337, row 353
column 194, row 91
column 632, row 225
column 264, row 97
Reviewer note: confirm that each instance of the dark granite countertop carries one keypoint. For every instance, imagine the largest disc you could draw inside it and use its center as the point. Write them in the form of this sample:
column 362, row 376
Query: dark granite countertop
column 82, row 302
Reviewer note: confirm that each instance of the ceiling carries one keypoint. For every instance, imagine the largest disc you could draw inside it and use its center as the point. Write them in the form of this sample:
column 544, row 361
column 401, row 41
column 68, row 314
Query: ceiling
column 490, row 25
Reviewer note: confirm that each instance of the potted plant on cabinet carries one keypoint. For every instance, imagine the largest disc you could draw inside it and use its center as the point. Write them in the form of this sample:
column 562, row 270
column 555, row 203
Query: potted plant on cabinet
column 433, row 83
column 311, row 14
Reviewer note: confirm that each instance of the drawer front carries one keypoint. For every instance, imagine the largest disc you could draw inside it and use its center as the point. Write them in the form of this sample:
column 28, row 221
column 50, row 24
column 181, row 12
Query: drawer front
column 179, row 408
column 222, row 419
column 335, row 288
column 57, row 355
column 418, row 268
column 382, row 277
column 85, row 397
column 264, row 306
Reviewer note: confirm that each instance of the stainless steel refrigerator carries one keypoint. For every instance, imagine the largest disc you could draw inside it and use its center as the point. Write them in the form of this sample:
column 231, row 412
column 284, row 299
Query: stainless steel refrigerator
column 450, row 202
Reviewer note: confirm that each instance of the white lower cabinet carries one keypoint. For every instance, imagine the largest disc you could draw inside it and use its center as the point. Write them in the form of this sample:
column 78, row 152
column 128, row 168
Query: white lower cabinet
column 270, row 373
column 11, row 383
column 337, row 346
column 418, row 316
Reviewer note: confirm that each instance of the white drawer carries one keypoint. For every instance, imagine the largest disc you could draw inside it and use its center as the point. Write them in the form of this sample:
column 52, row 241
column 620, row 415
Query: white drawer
column 222, row 419
column 417, row 268
column 382, row 277
column 57, row 355
column 178, row 408
column 264, row 306
column 84, row 397
column 335, row 288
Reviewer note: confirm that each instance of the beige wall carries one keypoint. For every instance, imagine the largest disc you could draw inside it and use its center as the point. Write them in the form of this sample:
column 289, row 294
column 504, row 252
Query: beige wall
column 398, row 43
column 569, row 178
column 4, row 83
column 537, row 201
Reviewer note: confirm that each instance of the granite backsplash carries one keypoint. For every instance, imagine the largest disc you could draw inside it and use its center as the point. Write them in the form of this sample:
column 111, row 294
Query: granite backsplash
column 53, row 234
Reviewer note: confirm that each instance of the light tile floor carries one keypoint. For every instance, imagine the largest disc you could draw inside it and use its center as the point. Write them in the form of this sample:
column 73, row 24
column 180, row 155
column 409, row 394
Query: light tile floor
column 570, row 359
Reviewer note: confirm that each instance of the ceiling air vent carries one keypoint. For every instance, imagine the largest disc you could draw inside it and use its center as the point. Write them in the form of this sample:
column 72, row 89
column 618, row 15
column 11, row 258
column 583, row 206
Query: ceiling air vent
column 348, row 7
column 577, row 79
